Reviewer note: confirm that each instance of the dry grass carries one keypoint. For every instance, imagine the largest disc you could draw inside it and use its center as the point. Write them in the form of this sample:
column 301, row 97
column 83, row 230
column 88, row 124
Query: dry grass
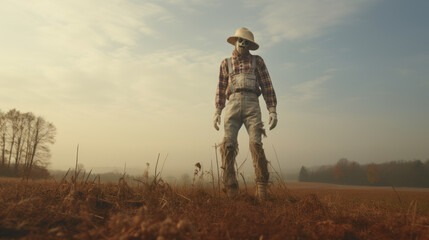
column 52, row 210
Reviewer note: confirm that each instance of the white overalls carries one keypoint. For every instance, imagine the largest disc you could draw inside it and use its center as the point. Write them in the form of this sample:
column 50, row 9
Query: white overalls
column 243, row 108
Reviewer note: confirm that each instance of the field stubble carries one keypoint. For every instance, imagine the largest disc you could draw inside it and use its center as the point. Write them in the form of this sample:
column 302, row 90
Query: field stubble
column 155, row 210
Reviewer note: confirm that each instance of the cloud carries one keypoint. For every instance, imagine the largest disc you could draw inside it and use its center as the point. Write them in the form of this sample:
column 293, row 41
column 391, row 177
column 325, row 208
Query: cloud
column 70, row 30
column 100, row 23
column 92, row 54
column 46, row 32
column 103, row 72
column 310, row 90
column 305, row 19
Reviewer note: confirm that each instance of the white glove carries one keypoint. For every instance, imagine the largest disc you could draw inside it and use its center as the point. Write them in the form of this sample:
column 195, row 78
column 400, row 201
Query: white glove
column 216, row 120
column 273, row 118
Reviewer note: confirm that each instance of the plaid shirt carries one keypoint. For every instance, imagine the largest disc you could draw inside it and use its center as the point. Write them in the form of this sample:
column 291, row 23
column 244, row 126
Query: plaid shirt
column 242, row 64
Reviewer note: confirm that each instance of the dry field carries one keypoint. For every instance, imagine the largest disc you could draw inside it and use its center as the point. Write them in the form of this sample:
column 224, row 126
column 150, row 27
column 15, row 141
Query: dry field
column 63, row 210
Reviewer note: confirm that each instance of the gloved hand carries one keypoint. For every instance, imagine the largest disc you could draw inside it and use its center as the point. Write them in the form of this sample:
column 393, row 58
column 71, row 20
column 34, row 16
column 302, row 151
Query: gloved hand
column 273, row 118
column 216, row 120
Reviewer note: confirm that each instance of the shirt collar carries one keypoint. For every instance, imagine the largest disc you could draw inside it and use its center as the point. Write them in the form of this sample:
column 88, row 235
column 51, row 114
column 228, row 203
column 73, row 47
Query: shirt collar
column 235, row 54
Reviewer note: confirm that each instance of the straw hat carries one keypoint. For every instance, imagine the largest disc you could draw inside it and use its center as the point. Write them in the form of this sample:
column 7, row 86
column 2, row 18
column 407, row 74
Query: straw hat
column 245, row 34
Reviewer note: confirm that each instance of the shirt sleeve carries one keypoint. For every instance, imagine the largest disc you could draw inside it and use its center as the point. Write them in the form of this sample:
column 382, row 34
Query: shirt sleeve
column 265, row 83
column 222, row 85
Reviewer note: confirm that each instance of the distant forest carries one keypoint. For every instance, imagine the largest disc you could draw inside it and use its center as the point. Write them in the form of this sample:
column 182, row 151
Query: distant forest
column 413, row 173
column 25, row 141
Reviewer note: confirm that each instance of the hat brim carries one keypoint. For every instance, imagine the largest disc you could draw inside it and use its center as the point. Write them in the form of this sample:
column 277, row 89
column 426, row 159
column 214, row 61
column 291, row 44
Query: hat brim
column 252, row 46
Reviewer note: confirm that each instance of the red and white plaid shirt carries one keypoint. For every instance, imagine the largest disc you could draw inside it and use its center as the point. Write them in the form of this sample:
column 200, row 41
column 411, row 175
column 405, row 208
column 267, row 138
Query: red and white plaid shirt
column 242, row 64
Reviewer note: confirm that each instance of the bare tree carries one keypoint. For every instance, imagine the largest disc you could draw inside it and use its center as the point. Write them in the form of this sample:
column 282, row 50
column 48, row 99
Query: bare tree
column 30, row 119
column 43, row 134
column 26, row 139
column 21, row 126
column 12, row 117
column 3, row 130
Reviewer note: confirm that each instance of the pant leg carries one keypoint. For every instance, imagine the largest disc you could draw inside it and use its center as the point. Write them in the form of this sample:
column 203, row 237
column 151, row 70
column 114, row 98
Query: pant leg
column 229, row 146
column 255, row 128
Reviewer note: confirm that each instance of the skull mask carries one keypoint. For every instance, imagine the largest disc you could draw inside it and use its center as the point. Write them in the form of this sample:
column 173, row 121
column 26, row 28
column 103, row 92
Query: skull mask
column 242, row 45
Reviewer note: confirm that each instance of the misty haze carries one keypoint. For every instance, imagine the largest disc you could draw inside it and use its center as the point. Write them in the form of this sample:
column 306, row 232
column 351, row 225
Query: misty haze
column 107, row 111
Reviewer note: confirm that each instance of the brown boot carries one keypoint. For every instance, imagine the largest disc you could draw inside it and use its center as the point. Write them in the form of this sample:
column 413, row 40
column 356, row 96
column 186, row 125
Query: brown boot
column 232, row 192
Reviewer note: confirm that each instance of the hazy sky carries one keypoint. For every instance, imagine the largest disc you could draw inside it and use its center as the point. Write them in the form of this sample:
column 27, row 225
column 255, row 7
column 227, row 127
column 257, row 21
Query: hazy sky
column 129, row 79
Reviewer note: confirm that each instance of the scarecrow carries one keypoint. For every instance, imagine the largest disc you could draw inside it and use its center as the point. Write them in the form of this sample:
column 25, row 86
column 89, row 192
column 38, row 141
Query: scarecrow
column 242, row 79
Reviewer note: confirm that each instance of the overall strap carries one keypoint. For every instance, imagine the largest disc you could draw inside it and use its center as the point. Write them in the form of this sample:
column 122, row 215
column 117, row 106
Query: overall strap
column 229, row 65
column 253, row 62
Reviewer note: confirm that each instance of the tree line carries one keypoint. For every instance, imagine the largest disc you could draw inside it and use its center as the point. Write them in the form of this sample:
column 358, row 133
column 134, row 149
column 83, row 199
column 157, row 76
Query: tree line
column 25, row 141
column 414, row 173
